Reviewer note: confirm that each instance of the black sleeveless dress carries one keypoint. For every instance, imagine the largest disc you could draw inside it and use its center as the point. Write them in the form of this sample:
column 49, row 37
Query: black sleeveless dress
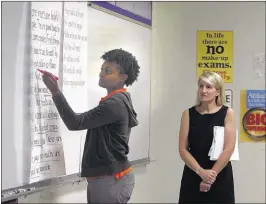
column 199, row 141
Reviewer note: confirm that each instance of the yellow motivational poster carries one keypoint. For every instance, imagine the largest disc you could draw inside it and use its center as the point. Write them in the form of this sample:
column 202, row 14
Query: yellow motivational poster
column 215, row 53
column 252, row 116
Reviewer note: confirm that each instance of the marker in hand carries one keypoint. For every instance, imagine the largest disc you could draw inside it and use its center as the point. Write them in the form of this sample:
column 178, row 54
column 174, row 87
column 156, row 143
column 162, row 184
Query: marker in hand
column 43, row 72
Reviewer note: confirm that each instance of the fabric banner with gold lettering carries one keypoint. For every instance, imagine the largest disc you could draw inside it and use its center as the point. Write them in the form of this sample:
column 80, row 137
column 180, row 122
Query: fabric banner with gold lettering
column 215, row 53
column 252, row 115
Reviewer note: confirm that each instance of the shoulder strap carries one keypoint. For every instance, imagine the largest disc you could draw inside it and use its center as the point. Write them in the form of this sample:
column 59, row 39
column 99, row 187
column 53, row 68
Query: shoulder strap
column 224, row 110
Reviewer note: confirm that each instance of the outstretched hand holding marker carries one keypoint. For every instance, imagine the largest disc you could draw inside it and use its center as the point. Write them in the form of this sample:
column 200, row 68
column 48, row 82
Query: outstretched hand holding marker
column 50, row 81
column 43, row 72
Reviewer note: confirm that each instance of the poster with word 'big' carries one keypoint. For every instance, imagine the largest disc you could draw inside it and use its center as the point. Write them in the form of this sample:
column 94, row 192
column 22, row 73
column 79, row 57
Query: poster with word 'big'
column 253, row 115
column 47, row 155
column 215, row 53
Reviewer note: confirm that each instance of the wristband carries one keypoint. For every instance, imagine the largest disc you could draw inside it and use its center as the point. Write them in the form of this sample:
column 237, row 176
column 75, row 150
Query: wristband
column 197, row 172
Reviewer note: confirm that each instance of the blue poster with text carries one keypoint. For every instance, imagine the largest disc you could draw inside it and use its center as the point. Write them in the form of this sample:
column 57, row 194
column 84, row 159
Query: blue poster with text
column 256, row 99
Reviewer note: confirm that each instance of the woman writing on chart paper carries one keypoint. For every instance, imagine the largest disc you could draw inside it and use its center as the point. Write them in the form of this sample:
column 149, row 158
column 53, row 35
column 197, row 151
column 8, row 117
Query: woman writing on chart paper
column 203, row 180
column 104, row 162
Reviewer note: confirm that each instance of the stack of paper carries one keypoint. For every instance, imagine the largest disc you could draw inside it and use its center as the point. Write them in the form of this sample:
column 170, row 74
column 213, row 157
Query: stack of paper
column 218, row 145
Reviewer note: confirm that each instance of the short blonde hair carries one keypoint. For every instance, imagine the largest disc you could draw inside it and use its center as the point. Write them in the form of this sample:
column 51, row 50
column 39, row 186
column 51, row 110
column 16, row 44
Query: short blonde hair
column 215, row 80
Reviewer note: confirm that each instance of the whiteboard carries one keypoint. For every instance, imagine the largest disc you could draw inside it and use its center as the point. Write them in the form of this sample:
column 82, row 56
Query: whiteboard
column 102, row 36
column 15, row 121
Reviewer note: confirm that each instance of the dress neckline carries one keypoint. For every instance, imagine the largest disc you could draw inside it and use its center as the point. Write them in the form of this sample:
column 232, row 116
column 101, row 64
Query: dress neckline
column 208, row 113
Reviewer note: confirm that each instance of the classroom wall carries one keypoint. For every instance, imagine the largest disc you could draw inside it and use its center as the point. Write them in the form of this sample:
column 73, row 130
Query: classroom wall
column 173, row 90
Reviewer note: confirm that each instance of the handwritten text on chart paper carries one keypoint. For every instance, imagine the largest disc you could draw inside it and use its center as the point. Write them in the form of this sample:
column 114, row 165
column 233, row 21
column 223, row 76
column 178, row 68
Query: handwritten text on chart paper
column 47, row 155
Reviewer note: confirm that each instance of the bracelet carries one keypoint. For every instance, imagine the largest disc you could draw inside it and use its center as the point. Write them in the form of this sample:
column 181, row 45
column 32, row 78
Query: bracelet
column 197, row 172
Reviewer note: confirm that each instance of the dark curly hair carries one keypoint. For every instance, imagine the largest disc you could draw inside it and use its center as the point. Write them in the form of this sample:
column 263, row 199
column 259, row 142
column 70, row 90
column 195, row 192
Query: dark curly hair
column 127, row 64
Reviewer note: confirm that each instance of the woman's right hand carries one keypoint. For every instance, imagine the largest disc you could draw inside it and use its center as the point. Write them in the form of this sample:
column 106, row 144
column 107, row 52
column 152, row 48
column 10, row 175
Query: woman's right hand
column 208, row 176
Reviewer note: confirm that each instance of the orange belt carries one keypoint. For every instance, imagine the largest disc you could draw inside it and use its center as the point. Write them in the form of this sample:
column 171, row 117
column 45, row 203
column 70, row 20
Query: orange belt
column 118, row 175
column 122, row 173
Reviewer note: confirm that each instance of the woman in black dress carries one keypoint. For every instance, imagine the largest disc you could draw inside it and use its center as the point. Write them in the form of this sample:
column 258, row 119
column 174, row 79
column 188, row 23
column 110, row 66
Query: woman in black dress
column 203, row 180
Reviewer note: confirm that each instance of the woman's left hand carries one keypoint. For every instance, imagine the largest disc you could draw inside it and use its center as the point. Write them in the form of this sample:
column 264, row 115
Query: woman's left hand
column 204, row 187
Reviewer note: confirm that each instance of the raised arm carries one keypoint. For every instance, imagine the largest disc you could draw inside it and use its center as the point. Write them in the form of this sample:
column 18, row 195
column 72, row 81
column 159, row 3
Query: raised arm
column 229, row 141
column 105, row 113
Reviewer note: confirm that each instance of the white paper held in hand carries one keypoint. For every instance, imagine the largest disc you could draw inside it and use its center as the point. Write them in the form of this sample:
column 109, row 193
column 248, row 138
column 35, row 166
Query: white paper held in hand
column 218, row 145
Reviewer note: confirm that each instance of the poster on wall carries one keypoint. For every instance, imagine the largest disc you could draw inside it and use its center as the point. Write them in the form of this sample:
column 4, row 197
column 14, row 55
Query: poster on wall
column 252, row 115
column 215, row 53
column 47, row 152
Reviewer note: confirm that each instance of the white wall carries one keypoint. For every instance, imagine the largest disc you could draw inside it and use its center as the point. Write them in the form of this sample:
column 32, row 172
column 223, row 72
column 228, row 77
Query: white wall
column 173, row 90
